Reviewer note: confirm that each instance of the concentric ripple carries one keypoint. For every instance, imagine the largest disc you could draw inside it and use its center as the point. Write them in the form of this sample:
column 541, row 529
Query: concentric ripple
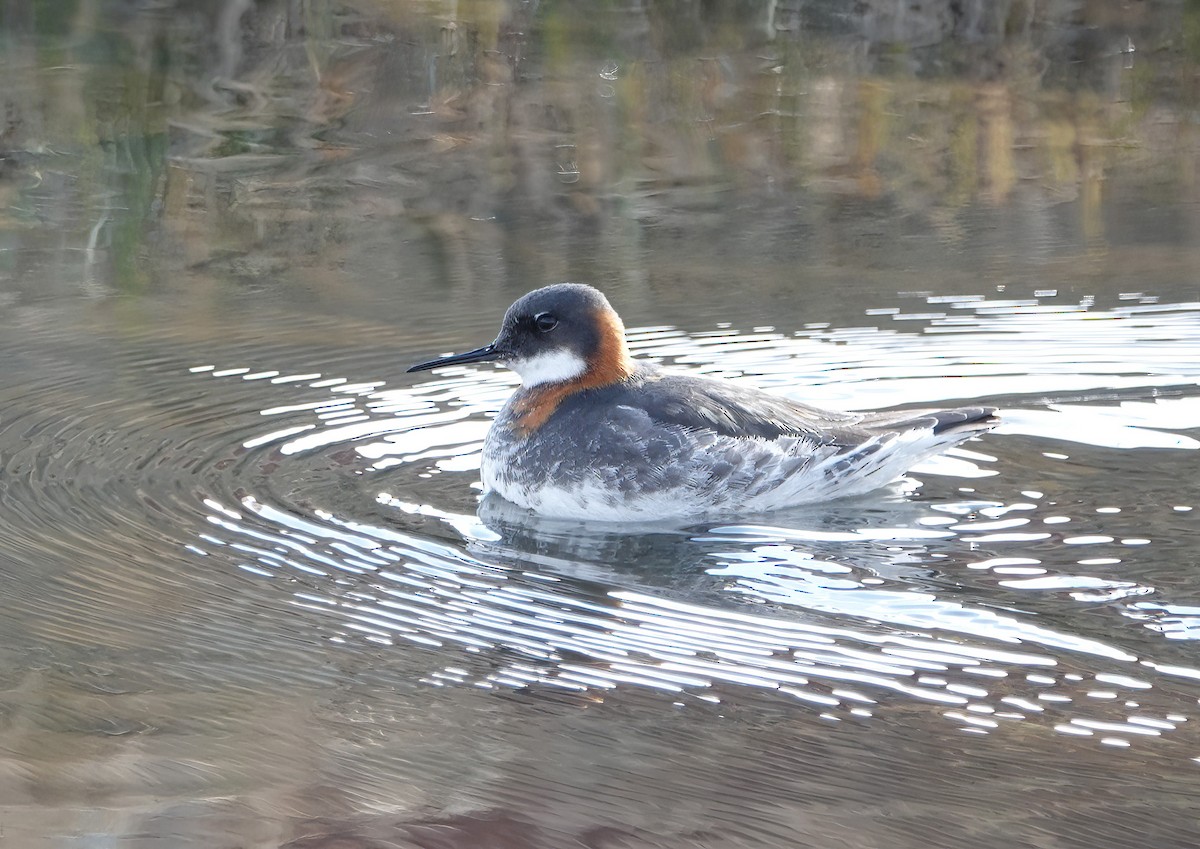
column 513, row 626
column 216, row 564
column 938, row 601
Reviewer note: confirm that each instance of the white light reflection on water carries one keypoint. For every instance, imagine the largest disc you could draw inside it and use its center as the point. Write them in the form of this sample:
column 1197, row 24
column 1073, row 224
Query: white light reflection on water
column 767, row 576
column 536, row 629
column 835, row 608
column 995, row 349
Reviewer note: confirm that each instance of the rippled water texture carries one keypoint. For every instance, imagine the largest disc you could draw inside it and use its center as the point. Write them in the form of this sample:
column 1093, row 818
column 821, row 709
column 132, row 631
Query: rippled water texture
column 249, row 595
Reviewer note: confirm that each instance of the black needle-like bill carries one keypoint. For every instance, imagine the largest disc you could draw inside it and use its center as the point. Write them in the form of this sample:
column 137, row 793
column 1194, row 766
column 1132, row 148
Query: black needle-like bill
column 480, row 355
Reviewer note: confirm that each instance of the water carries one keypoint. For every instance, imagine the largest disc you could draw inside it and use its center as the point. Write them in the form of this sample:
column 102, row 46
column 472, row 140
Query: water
column 248, row 595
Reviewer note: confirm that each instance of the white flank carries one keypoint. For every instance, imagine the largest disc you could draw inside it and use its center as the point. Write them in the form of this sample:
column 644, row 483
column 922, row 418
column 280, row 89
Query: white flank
column 551, row 367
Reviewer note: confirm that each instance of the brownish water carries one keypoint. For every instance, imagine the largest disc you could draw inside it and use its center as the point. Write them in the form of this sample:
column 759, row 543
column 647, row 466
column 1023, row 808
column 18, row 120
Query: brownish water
column 248, row 596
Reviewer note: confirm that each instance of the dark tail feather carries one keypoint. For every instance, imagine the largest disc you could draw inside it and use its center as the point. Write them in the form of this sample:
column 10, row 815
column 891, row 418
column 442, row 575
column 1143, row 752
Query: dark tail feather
column 965, row 420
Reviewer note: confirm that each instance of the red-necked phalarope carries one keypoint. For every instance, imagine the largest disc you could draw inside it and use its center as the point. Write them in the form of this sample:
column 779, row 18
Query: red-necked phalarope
column 594, row 434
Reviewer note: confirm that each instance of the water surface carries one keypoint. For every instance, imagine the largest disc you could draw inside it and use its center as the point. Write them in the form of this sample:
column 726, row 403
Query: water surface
column 248, row 593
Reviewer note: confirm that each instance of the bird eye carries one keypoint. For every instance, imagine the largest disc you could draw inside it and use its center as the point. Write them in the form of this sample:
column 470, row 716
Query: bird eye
column 545, row 322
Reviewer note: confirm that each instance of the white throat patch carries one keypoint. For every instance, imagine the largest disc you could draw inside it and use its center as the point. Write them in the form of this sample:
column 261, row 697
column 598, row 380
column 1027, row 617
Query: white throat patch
column 551, row 367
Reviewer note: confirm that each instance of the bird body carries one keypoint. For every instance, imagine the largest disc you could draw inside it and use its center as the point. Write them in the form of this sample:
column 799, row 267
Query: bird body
column 593, row 434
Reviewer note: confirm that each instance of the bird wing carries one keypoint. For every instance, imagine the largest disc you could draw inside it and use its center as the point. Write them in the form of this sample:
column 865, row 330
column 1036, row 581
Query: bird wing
column 728, row 409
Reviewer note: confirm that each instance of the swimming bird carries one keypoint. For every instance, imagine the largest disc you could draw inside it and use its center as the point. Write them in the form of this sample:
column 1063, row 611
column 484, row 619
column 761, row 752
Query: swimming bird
column 594, row 434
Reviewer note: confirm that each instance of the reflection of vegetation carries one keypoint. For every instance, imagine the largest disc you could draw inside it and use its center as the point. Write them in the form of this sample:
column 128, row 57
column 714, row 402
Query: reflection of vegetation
column 140, row 185
column 1191, row 31
column 440, row 113
column 49, row 18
